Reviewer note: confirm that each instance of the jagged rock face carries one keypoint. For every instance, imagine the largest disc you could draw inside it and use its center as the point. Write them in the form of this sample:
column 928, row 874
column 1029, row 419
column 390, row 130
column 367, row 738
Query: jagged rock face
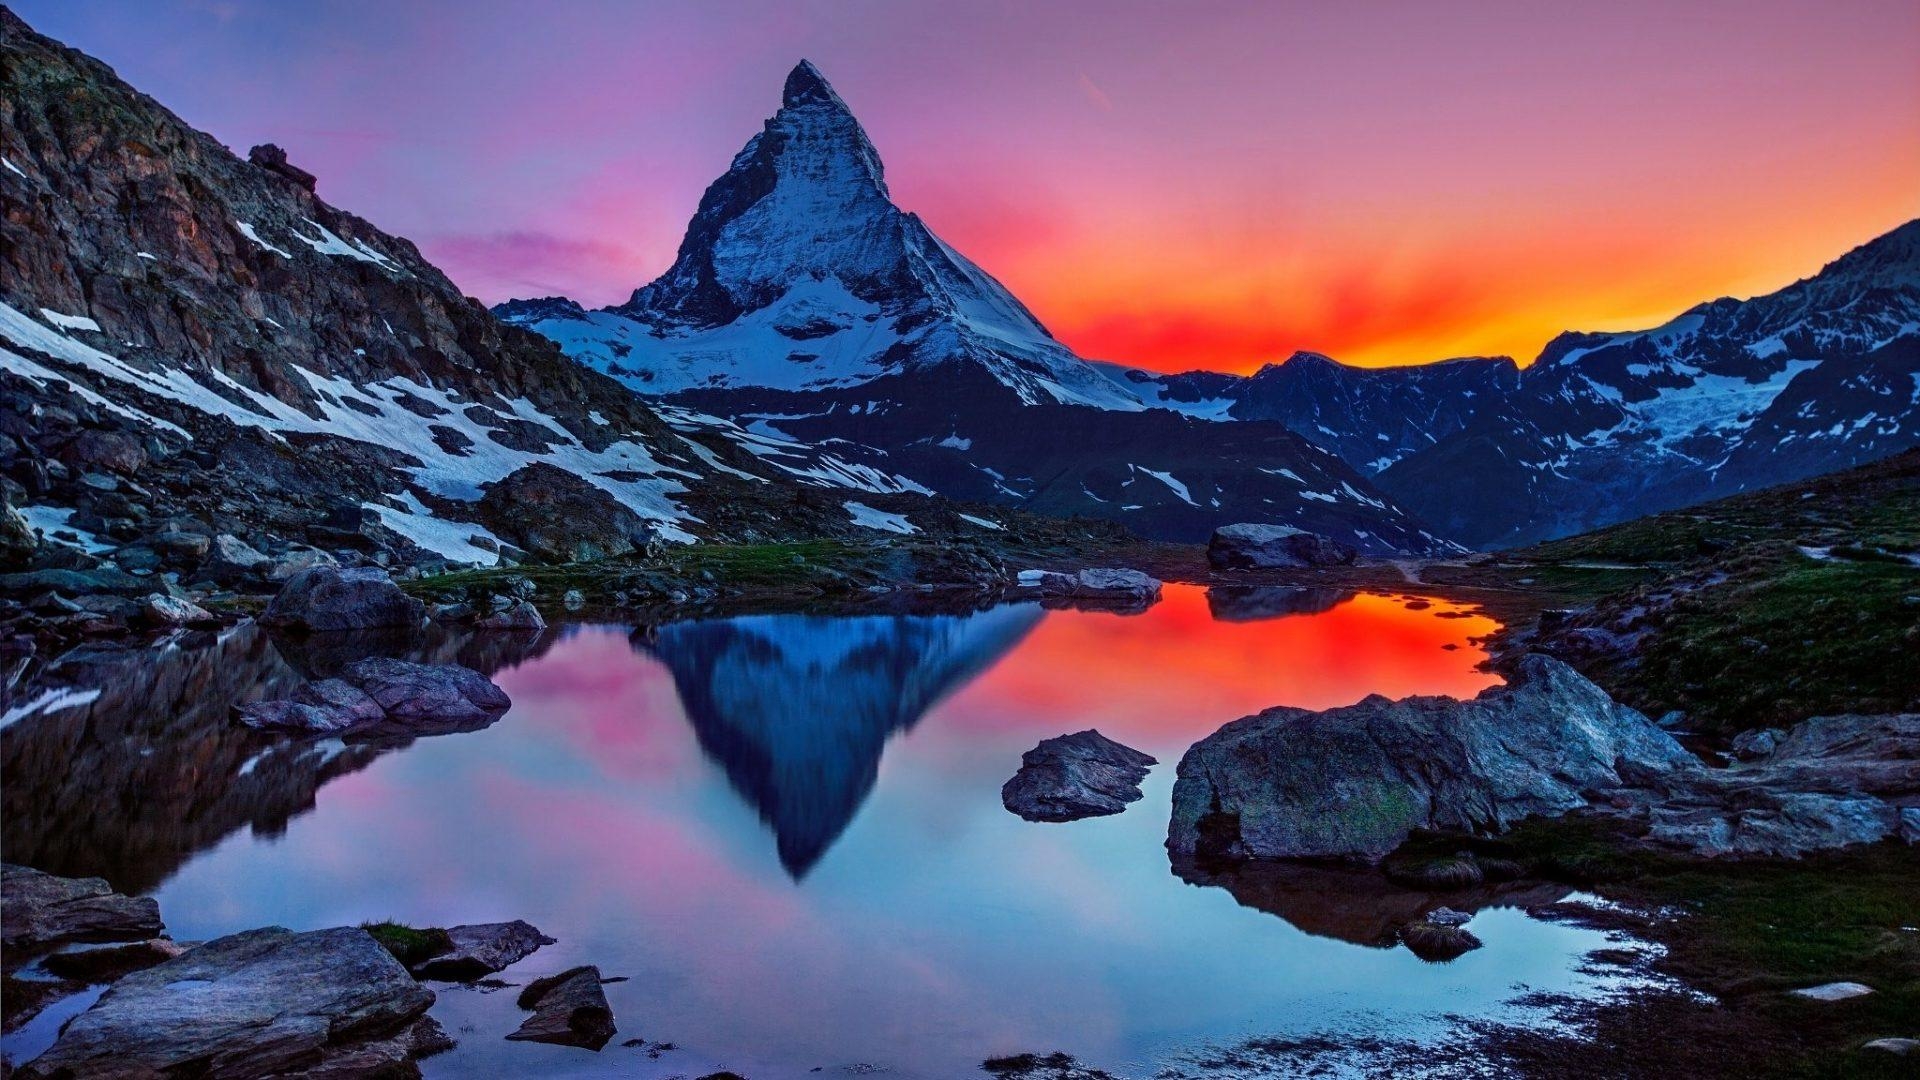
column 186, row 334
column 42, row 909
column 802, row 293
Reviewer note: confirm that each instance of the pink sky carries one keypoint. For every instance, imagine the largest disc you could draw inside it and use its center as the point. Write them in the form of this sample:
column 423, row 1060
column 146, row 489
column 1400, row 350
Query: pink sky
column 1167, row 185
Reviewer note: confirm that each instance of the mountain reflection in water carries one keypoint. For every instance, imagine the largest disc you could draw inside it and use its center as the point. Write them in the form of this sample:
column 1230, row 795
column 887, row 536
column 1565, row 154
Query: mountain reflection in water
column 797, row 708
column 786, row 829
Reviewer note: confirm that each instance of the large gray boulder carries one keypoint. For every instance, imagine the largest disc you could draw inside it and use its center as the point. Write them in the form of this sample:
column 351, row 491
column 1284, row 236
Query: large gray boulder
column 1260, row 547
column 260, row 1003
column 1354, row 781
column 568, row 1008
column 331, row 598
column 556, row 516
column 480, row 949
column 381, row 697
column 1074, row 776
column 39, row 909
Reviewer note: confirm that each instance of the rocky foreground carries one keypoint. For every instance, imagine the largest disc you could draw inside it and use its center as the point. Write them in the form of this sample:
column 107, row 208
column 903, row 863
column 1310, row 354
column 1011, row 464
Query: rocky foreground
column 1356, row 782
column 339, row 1002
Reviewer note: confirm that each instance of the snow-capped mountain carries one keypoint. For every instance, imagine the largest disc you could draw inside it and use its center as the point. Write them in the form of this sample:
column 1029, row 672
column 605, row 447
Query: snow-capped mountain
column 804, row 302
column 1731, row 395
column 189, row 339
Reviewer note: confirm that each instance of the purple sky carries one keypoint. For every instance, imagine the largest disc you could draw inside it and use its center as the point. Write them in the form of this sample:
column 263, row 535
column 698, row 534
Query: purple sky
column 1171, row 185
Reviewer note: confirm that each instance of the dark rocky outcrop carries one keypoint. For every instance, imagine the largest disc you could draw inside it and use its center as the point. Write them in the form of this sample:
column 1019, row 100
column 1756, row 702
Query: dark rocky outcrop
column 556, row 516
column 39, row 910
column 260, row 1003
column 1075, row 776
column 1354, row 781
column 381, row 697
column 568, row 1008
column 480, row 949
column 329, row 598
column 1261, row 547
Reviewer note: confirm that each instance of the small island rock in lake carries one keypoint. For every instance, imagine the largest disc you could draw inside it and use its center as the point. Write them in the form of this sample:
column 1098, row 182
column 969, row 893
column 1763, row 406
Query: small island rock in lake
column 380, row 697
column 480, row 949
column 568, row 1008
column 1075, row 776
column 260, row 1003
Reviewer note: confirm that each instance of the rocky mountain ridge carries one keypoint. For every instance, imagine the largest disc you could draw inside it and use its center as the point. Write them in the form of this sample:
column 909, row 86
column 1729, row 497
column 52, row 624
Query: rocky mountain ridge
column 804, row 302
column 196, row 346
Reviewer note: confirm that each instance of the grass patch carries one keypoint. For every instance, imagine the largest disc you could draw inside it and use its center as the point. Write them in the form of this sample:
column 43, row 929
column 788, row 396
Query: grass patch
column 1778, row 644
column 409, row 945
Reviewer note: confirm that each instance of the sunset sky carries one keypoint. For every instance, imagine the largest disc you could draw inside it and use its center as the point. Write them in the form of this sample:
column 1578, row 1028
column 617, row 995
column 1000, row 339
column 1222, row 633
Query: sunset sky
column 1173, row 186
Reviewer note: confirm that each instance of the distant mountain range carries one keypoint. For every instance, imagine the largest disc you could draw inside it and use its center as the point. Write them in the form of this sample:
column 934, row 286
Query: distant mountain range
column 803, row 301
column 1731, row 395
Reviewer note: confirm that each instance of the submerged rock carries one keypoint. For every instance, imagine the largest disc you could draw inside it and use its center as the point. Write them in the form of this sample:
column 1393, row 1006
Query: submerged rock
column 480, row 949
column 39, row 909
column 329, row 598
column 568, row 1008
column 1075, row 776
column 1260, row 547
column 259, row 1003
column 1354, row 781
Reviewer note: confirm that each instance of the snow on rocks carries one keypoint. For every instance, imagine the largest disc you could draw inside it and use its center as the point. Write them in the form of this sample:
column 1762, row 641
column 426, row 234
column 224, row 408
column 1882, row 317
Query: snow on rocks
column 869, row 518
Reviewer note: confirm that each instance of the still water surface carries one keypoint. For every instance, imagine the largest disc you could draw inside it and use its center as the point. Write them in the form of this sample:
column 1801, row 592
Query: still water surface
column 785, row 832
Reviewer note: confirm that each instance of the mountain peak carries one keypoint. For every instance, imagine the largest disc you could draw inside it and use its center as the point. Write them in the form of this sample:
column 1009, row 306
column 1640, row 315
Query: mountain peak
column 806, row 86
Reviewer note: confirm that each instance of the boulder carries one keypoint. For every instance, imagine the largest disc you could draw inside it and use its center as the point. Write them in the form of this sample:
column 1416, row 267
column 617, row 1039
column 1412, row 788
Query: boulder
column 330, row 598
column 230, row 560
column 1250, row 603
column 1437, row 942
column 556, row 516
column 480, row 949
column 1116, row 584
column 519, row 615
column 260, row 1003
column 1074, row 776
column 293, row 562
column 159, row 609
column 1260, row 547
column 1757, row 743
column 384, row 698
column 1354, row 781
column 428, row 698
column 39, row 910
column 568, row 1008
column 17, row 539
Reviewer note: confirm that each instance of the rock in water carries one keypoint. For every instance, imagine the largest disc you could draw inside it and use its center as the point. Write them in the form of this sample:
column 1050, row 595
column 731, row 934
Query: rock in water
column 568, row 1008
column 383, row 697
column 481, row 949
column 329, row 598
column 519, row 615
column 39, row 909
column 1074, row 776
column 260, row 1003
column 1354, row 781
column 1252, row 546
column 1115, row 584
